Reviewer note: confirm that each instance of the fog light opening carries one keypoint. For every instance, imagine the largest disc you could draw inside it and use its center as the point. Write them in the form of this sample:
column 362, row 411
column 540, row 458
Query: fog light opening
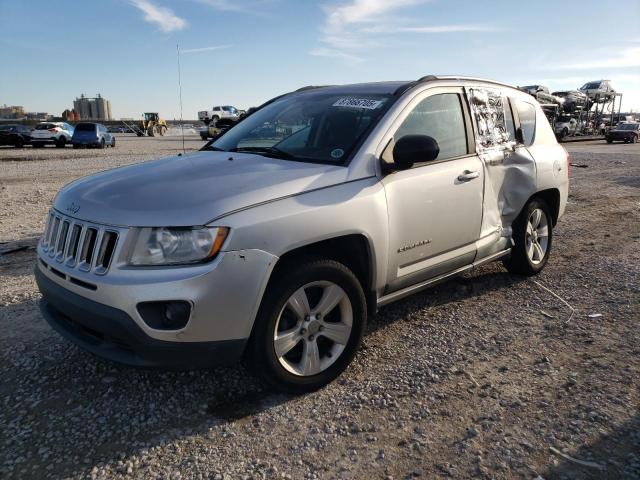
column 165, row 315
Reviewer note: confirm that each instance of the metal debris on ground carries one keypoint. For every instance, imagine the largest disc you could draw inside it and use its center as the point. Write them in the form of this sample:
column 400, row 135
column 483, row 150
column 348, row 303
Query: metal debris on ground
column 20, row 248
column 575, row 460
column 573, row 310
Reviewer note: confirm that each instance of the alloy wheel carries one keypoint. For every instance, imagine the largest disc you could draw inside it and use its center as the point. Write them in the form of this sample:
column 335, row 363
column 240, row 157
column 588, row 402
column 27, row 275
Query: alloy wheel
column 537, row 236
column 313, row 328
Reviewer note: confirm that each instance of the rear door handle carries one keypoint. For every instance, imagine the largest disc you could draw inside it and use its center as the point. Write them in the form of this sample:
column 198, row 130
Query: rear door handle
column 468, row 175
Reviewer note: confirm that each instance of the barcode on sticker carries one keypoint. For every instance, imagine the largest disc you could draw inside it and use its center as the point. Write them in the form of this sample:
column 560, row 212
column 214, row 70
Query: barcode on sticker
column 358, row 103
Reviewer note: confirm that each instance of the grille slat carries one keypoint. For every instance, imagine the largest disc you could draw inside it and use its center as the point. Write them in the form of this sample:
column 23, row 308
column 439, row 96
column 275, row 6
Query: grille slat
column 62, row 240
column 85, row 246
column 54, row 236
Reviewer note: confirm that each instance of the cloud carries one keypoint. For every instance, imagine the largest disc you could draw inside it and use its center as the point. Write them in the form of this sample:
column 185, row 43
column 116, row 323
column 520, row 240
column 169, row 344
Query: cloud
column 204, row 49
column 432, row 29
column 238, row 6
column 353, row 26
column 161, row 16
column 331, row 52
column 629, row 57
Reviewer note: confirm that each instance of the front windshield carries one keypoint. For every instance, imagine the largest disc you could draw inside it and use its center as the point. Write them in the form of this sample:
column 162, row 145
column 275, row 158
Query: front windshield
column 628, row 126
column 312, row 126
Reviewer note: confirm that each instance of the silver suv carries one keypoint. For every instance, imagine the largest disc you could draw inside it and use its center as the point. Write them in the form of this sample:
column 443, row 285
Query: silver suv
column 277, row 240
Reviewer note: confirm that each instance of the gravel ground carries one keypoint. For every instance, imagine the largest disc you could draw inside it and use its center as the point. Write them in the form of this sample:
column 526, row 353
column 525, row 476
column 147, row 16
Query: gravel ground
column 485, row 376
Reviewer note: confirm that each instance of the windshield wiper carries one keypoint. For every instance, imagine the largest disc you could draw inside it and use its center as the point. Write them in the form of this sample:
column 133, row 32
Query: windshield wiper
column 215, row 149
column 273, row 152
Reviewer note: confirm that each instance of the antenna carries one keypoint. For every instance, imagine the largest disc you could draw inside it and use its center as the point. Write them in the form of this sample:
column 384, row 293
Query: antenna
column 180, row 96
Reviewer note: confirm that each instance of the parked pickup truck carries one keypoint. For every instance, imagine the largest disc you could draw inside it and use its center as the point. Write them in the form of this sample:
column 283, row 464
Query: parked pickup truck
column 279, row 238
column 216, row 113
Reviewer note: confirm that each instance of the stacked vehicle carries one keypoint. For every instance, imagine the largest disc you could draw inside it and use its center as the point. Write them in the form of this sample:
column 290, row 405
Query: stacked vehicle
column 588, row 112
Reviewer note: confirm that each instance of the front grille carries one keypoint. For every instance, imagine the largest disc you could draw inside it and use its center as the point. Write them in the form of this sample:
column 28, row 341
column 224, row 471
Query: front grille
column 79, row 245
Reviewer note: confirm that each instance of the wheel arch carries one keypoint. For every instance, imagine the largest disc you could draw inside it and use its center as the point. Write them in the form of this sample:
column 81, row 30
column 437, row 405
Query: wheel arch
column 551, row 197
column 352, row 250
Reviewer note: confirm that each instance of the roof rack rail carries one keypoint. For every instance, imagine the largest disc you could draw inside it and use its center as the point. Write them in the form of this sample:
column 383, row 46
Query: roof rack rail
column 309, row 87
column 403, row 88
column 426, row 78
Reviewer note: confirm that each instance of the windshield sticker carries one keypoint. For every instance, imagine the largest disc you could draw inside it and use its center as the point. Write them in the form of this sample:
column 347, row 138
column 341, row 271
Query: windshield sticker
column 337, row 153
column 358, row 103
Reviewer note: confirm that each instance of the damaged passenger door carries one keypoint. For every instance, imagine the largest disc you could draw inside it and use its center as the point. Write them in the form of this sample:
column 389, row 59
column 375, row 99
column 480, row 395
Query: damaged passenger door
column 435, row 206
column 508, row 166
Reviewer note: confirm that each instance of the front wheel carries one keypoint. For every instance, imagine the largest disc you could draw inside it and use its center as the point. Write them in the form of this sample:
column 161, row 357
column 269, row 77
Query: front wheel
column 634, row 139
column 309, row 326
column 609, row 140
column 102, row 144
column 533, row 235
column 113, row 142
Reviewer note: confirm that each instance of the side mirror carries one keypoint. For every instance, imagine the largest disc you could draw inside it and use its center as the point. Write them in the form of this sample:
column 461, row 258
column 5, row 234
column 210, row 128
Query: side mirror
column 412, row 149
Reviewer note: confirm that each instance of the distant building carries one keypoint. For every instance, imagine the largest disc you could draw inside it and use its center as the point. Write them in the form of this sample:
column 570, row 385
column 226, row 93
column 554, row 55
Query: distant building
column 70, row 116
column 97, row 108
column 14, row 112
column 40, row 116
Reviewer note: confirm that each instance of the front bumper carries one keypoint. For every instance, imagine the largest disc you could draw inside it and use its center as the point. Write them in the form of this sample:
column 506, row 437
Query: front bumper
column 112, row 334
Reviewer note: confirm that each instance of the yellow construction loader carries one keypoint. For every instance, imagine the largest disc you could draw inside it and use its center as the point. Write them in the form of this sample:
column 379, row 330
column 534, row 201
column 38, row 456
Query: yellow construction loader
column 151, row 125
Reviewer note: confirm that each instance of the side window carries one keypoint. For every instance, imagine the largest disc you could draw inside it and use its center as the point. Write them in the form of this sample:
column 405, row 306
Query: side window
column 438, row 116
column 508, row 120
column 527, row 114
column 489, row 112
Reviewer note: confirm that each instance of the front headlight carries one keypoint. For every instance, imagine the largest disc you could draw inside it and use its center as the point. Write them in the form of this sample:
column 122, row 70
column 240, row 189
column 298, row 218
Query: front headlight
column 177, row 246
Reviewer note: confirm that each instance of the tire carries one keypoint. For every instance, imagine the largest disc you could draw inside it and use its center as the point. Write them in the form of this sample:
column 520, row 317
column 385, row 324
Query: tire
column 609, row 140
column 214, row 120
column 313, row 280
column 113, row 142
column 526, row 258
column 102, row 144
column 61, row 142
column 634, row 139
column 139, row 134
column 162, row 130
column 76, row 146
column 19, row 142
column 204, row 137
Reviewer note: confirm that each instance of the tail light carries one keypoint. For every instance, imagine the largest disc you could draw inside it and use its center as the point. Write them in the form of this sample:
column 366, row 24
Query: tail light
column 568, row 160
column 54, row 130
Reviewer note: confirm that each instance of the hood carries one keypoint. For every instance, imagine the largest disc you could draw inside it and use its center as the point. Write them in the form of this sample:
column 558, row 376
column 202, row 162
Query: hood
column 190, row 190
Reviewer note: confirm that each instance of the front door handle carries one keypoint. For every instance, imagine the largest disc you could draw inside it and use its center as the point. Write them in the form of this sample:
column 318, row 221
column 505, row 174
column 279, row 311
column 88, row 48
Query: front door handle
column 468, row 175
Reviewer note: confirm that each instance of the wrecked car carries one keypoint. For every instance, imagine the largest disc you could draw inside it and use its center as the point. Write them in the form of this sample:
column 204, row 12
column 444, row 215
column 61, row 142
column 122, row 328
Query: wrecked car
column 572, row 100
column 541, row 93
column 277, row 240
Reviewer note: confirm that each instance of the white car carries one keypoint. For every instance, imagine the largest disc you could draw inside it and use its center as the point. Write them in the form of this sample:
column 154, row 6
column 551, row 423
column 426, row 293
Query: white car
column 598, row 90
column 566, row 125
column 58, row 133
column 215, row 114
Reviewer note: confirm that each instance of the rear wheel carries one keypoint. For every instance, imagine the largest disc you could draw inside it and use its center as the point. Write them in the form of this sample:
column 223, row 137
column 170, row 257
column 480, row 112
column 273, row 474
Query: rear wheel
column 609, row 140
column 533, row 235
column 61, row 142
column 19, row 142
column 309, row 326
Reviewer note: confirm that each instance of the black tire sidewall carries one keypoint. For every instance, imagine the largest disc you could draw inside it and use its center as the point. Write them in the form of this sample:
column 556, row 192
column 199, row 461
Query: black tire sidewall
column 262, row 353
